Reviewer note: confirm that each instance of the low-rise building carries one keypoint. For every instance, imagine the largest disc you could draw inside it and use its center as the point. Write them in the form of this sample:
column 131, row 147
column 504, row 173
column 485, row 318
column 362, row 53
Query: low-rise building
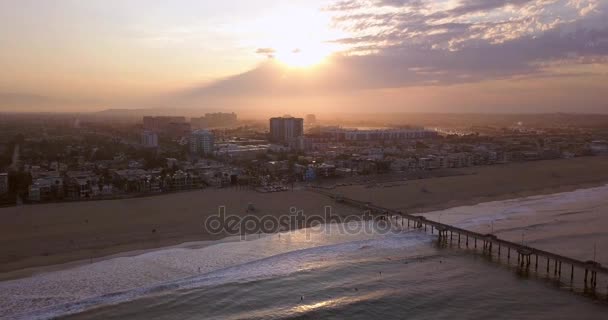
column 136, row 181
column 599, row 147
column 239, row 151
column 3, row 183
column 46, row 188
column 341, row 134
column 78, row 184
column 181, row 180
column 105, row 190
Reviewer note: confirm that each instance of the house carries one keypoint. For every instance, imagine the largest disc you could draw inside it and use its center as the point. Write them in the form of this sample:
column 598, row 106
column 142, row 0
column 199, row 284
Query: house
column 46, row 188
column 181, row 180
column 137, row 180
column 78, row 184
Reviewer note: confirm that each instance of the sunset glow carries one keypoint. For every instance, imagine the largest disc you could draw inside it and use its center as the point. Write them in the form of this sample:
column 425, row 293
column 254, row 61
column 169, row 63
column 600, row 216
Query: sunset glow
column 429, row 55
column 303, row 159
column 302, row 58
column 298, row 36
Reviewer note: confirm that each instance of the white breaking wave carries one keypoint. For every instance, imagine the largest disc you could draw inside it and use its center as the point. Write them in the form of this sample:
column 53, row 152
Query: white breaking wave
column 124, row 278
column 273, row 266
column 480, row 216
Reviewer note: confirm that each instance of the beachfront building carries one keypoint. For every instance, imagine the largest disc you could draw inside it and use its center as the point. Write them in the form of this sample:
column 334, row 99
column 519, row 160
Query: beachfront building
column 36, row 191
column 286, row 129
column 3, row 183
column 202, row 142
column 181, row 180
column 136, row 180
column 78, row 184
column 153, row 181
column 100, row 191
column 599, row 147
column 46, row 188
column 404, row 165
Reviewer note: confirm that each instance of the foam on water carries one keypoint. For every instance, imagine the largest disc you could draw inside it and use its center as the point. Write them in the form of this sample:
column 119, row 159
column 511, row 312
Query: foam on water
column 273, row 266
column 485, row 213
column 151, row 269
column 125, row 278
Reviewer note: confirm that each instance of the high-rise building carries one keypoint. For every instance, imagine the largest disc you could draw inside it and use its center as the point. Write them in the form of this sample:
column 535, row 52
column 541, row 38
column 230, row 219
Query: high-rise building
column 202, row 142
column 149, row 139
column 176, row 130
column 198, row 123
column 214, row 120
column 285, row 130
column 161, row 124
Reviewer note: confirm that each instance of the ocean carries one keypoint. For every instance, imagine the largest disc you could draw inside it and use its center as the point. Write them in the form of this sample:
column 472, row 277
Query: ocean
column 313, row 275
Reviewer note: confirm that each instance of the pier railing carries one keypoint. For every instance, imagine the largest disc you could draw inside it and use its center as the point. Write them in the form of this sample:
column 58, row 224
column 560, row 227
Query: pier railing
column 490, row 242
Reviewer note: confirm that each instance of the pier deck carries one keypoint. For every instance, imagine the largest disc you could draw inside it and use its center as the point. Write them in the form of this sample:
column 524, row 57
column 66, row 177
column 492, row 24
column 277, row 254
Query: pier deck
column 591, row 268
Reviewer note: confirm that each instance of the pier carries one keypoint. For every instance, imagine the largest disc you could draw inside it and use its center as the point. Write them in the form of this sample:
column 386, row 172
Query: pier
column 528, row 258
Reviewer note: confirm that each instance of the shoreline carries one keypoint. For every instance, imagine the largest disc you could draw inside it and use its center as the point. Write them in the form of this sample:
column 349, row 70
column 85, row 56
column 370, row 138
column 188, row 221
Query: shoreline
column 513, row 196
column 30, row 271
column 63, row 222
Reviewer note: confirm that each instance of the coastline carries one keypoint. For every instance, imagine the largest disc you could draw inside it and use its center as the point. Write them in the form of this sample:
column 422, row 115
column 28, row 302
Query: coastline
column 31, row 271
column 183, row 225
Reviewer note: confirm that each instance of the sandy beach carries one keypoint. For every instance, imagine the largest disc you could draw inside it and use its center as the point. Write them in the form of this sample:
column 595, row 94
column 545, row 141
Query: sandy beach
column 51, row 234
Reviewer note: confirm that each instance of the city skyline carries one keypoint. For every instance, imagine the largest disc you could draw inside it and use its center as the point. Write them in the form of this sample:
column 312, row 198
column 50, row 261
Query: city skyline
column 260, row 56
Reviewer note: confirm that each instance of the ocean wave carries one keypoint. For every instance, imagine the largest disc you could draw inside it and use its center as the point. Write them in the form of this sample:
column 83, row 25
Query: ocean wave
column 125, row 279
column 269, row 267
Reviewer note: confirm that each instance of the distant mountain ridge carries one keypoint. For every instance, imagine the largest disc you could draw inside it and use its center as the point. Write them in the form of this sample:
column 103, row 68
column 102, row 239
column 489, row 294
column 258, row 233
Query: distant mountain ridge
column 138, row 113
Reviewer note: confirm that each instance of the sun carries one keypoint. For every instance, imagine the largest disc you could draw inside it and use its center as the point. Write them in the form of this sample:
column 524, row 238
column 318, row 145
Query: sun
column 307, row 56
column 300, row 37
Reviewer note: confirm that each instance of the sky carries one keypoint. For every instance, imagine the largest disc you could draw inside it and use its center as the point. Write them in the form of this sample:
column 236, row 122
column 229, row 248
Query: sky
column 296, row 56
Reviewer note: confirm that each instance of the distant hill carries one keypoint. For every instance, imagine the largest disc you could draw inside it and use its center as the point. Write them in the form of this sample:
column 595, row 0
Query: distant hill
column 139, row 113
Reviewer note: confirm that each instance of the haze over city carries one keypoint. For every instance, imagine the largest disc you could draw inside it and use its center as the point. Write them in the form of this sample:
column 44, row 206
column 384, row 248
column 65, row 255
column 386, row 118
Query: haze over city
column 303, row 159
column 316, row 55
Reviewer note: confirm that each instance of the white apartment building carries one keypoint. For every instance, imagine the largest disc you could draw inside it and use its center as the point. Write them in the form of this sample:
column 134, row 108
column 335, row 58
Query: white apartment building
column 202, row 142
column 149, row 139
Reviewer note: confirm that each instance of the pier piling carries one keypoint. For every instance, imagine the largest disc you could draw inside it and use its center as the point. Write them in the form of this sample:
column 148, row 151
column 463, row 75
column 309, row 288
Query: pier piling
column 591, row 268
column 572, row 274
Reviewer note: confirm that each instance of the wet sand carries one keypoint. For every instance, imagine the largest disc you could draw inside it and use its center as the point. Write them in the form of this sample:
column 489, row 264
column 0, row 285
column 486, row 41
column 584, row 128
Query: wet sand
column 51, row 234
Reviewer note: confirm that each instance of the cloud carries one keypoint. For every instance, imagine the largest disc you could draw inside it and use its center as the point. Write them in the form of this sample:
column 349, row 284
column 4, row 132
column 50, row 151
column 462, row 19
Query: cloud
column 268, row 52
column 474, row 6
column 401, row 43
